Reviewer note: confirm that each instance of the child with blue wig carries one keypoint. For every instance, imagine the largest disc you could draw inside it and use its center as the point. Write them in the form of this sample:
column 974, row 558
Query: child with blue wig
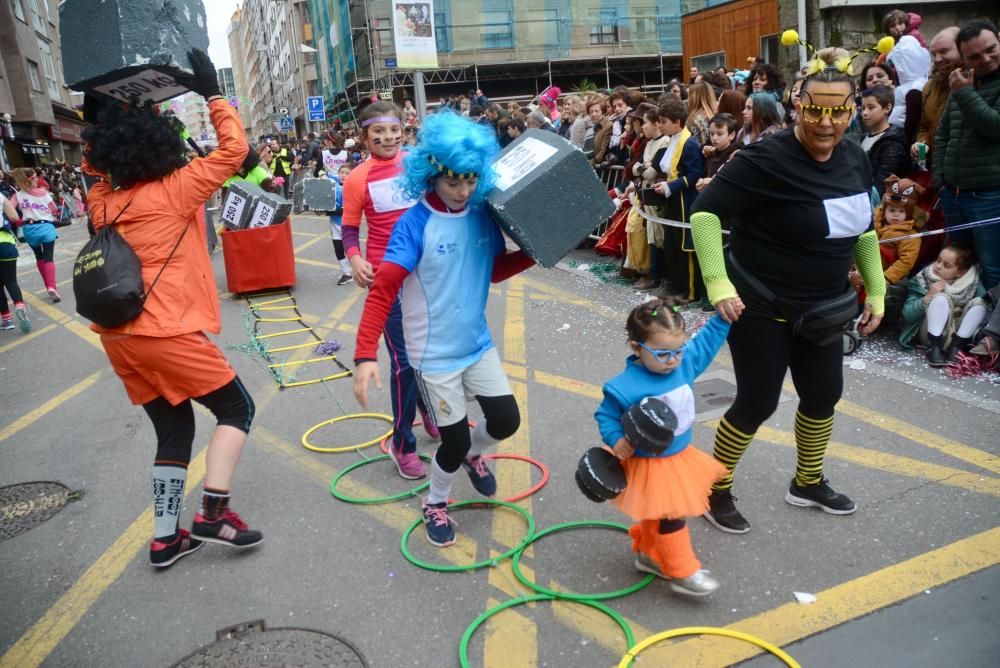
column 441, row 258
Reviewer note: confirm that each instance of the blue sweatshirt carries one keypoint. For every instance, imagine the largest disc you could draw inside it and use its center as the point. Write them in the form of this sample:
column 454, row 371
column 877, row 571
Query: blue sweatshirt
column 675, row 388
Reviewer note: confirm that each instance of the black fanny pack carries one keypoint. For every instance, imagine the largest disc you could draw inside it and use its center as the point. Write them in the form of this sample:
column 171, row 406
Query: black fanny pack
column 822, row 324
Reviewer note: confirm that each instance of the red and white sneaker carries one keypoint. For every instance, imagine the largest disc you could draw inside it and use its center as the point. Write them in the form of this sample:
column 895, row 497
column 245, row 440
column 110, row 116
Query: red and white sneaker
column 162, row 555
column 227, row 529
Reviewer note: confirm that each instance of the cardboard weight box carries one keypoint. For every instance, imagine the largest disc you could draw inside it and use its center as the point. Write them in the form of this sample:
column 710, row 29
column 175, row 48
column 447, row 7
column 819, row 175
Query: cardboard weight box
column 130, row 47
column 547, row 196
column 315, row 194
column 246, row 205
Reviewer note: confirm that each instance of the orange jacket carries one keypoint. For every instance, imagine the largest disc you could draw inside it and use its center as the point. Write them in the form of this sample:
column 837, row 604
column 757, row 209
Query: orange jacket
column 185, row 298
column 903, row 253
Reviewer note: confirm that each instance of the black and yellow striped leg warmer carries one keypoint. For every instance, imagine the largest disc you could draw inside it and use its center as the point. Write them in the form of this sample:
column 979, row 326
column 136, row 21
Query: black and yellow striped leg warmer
column 730, row 444
column 811, row 438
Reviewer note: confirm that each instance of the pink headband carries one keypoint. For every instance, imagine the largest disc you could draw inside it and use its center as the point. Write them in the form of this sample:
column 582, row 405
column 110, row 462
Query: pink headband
column 380, row 119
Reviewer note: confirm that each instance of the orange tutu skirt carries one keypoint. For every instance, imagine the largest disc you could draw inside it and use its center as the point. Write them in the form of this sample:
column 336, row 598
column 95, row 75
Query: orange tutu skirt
column 671, row 487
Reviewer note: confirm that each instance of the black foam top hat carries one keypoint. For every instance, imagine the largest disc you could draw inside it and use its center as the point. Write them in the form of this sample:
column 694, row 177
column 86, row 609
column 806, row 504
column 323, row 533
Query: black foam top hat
column 650, row 425
column 600, row 475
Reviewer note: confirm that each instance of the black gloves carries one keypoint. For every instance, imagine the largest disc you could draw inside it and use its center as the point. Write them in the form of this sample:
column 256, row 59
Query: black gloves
column 203, row 79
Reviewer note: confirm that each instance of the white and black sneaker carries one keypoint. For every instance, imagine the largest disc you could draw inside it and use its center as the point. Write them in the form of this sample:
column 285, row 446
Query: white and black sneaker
column 345, row 279
column 821, row 496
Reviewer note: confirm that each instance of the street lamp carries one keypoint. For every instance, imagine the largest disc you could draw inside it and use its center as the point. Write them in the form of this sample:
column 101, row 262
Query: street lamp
column 305, row 48
column 7, row 132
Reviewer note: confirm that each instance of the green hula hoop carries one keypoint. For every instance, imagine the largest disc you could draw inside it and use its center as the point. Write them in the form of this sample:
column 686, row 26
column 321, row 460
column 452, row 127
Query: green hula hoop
column 463, row 647
column 440, row 568
column 378, row 499
column 569, row 595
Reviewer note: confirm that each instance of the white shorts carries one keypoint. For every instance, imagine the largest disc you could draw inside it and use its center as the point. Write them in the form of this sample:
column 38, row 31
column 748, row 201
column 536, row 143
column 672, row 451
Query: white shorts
column 446, row 394
column 336, row 228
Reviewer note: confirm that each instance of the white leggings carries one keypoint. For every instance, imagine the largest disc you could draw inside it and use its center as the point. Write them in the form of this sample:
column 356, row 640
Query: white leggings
column 939, row 311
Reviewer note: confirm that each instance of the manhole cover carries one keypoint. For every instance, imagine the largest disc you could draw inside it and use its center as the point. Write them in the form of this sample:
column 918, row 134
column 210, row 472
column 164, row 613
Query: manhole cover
column 713, row 393
column 276, row 648
column 26, row 505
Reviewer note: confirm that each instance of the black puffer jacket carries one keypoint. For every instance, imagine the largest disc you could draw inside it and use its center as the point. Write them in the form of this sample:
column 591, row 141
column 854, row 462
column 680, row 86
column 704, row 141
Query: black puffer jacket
column 967, row 145
column 889, row 155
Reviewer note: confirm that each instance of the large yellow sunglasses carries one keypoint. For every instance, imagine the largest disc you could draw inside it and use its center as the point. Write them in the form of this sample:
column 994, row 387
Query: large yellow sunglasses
column 839, row 115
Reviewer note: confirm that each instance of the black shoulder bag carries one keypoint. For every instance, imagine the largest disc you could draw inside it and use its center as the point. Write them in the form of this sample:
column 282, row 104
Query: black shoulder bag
column 107, row 277
column 822, row 324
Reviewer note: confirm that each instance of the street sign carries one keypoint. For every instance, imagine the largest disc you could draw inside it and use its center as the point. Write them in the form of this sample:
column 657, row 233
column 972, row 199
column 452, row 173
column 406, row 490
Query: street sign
column 286, row 123
column 317, row 110
column 390, row 62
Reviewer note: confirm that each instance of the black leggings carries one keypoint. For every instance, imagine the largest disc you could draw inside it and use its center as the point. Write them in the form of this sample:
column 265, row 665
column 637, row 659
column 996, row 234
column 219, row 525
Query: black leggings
column 44, row 251
column 338, row 249
column 231, row 405
column 762, row 350
column 8, row 281
column 502, row 420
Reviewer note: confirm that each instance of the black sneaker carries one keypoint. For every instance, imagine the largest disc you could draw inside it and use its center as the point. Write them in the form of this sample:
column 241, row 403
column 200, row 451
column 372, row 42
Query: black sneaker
column 345, row 279
column 821, row 496
column 162, row 555
column 227, row 529
column 722, row 513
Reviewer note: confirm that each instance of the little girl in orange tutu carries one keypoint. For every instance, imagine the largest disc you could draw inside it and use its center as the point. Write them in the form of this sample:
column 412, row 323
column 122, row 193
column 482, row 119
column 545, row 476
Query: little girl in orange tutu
column 666, row 487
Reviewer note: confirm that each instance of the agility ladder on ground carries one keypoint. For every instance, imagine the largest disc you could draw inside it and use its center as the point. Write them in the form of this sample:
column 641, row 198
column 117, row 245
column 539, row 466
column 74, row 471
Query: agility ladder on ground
column 286, row 310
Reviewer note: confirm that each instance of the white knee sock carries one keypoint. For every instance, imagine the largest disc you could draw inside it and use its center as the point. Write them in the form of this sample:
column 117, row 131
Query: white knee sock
column 481, row 440
column 971, row 321
column 345, row 265
column 168, row 493
column 937, row 315
column 441, row 482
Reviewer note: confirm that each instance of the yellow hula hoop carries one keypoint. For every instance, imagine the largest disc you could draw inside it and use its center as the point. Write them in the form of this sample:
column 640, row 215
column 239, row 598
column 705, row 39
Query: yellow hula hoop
column 708, row 631
column 347, row 448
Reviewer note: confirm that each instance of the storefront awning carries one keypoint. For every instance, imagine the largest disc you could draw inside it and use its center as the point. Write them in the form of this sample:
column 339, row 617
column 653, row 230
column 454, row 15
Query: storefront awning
column 32, row 149
column 67, row 130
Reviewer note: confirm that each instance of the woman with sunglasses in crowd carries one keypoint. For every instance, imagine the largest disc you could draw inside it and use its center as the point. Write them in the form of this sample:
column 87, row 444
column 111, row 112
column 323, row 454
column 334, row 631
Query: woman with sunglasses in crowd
column 798, row 206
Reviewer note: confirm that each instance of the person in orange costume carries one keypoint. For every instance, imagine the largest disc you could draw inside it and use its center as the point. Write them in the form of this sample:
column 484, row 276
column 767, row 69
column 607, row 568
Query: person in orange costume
column 163, row 356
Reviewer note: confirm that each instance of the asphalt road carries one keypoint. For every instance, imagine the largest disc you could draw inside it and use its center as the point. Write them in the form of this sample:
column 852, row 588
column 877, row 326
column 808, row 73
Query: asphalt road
column 917, row 451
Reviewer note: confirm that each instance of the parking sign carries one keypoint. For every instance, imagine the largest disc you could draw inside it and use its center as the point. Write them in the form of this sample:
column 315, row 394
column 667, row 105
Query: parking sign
column 317, row 110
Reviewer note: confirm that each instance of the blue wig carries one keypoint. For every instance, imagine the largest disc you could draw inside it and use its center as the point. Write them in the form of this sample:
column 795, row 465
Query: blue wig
column 449, row 144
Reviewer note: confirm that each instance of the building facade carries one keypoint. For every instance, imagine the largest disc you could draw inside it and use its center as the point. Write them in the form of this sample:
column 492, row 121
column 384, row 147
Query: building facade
column 226, row 82
column 728, row 34
column 270, row 74
column 40, row 125
column 506, row 47
column 855, row 24
column 191, row 109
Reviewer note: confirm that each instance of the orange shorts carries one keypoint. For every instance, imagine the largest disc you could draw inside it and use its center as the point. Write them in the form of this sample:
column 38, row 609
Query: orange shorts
column 175, row 368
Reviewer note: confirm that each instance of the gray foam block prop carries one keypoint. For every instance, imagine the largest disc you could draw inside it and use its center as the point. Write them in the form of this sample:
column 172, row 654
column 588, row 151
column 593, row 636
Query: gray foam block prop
column 269, row 209
column 130, row 47
column 547, row 196
column 315, row 195
column 238, row 207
